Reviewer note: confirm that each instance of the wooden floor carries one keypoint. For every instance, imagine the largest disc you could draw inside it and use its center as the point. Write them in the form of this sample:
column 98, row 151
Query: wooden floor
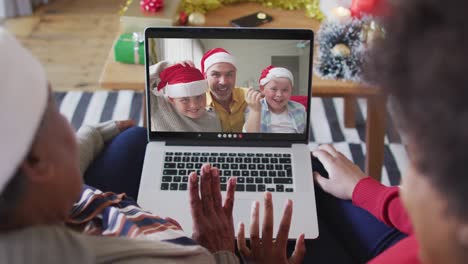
column 71, row 38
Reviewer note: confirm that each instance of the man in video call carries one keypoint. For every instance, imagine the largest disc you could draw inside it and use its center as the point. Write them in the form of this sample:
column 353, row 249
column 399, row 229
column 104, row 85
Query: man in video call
column 219, row 68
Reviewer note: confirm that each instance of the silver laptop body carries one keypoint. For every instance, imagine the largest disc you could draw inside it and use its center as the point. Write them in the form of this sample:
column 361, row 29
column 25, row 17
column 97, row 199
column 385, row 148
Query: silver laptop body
column 169, row 154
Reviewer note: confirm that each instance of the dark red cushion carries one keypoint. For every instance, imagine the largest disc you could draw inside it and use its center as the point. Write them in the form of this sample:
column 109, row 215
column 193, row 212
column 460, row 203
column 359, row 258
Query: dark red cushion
column 302, row 99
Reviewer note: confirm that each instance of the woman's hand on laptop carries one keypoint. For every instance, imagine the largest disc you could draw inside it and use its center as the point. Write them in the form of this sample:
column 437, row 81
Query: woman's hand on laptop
column 213, row 226
column 266, row 249
column 343, row 174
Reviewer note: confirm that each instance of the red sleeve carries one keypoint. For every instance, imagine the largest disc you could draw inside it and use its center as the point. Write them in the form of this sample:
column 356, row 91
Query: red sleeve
column 383, row 202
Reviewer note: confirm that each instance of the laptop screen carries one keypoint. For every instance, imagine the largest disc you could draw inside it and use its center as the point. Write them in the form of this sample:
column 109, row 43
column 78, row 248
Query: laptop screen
column 231, row 85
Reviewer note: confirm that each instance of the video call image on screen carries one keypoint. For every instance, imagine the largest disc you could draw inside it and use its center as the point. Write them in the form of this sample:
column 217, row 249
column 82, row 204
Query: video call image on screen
column 228, row 85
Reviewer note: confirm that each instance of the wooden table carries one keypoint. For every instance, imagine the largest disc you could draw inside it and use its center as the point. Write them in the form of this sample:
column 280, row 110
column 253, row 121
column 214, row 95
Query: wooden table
column 125, row 76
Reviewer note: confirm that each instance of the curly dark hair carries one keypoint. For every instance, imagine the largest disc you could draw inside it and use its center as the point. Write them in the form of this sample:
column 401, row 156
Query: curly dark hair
column 422, row 64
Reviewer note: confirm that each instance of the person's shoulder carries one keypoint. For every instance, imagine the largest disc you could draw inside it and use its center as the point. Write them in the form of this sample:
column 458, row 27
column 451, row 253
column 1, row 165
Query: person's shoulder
column 239, row 94
column 211, row 112
column 209, row 99
column 63, row 244
column 211, row 115
column 241, row 90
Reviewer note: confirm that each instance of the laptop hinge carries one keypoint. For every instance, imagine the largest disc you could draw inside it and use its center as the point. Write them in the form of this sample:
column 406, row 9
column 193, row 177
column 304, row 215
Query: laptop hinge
column 229, row 143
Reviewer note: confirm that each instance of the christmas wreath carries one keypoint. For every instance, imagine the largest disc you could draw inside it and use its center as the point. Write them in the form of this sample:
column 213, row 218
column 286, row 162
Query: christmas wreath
column 340, row 50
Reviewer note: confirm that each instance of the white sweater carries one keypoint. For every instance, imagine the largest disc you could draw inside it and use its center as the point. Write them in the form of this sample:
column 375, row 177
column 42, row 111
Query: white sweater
column 58, row 244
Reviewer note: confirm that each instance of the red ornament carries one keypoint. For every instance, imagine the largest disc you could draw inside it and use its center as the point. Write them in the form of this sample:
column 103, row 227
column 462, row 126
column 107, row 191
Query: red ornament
column 183, row 17
column 151, row 6
column 369, row 7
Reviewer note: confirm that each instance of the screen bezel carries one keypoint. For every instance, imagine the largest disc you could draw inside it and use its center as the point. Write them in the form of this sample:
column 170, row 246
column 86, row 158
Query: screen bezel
column 212, row 138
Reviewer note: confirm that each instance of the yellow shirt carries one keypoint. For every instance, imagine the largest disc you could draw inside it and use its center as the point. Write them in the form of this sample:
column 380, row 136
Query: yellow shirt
column 232, row 121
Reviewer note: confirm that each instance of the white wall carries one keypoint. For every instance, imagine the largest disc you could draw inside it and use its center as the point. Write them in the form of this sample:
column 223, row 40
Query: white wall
column 252, row 56
column 2, row 9
column 175, row 50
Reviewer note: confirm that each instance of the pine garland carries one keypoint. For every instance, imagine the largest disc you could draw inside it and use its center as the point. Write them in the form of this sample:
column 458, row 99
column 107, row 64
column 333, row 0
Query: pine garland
column 310, row 6
column 202, row 6
column 332, row 66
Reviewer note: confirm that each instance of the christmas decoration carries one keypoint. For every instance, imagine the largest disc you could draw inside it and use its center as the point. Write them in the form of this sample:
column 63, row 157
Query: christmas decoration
column 340, row 50
column 190, row 6
column 151, row 6
column 196, row 19
column 124, row 8
column 311, row 7
column 340, row 15
column 368, row 7
column 129, row 48
column 342, row 47
column 370, row 32
column 182, row 19
column 313, row 10
column 133, row 19
column 326, row 6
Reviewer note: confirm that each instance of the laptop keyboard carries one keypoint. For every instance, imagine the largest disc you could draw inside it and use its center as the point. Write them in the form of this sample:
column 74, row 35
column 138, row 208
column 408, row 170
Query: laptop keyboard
column 255, row 172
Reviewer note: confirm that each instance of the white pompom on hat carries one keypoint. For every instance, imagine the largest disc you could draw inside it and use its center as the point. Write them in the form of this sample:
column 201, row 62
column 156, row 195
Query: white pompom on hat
column 23, row 100
column 216, row 55
column 272, row 72
column 181, row 81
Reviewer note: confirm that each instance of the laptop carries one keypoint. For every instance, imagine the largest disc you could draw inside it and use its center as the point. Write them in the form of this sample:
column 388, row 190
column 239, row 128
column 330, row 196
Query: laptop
column 275, row 162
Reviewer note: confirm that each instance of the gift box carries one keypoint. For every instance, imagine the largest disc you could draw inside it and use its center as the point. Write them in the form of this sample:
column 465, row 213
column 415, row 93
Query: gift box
column 130, row 48
column 133, row 19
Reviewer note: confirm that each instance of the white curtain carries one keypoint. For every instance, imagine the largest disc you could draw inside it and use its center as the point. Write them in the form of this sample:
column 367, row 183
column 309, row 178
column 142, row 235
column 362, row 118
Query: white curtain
column 13, row 8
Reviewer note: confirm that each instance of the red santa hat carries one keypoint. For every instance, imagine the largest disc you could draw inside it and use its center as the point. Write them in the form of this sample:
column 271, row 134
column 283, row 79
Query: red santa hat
column 182, row 81
column 23, row 100
column 214, row 56
column 271, row 72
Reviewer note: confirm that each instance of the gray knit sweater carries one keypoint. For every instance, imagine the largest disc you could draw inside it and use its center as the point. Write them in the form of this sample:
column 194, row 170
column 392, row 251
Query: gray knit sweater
column 167, row 118
column 57, row 244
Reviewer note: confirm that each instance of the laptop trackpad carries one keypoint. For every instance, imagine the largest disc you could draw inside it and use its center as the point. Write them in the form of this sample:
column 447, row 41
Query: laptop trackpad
column 243, row 210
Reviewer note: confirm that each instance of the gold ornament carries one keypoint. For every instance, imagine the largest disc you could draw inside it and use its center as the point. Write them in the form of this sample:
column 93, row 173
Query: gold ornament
column 313, row 10
column 196, row 19
column 124, row 8
column 341, row 50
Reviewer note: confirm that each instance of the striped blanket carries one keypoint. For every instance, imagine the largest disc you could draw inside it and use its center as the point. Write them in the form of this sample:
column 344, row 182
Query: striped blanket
column 327, row 124
column 110, row 214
